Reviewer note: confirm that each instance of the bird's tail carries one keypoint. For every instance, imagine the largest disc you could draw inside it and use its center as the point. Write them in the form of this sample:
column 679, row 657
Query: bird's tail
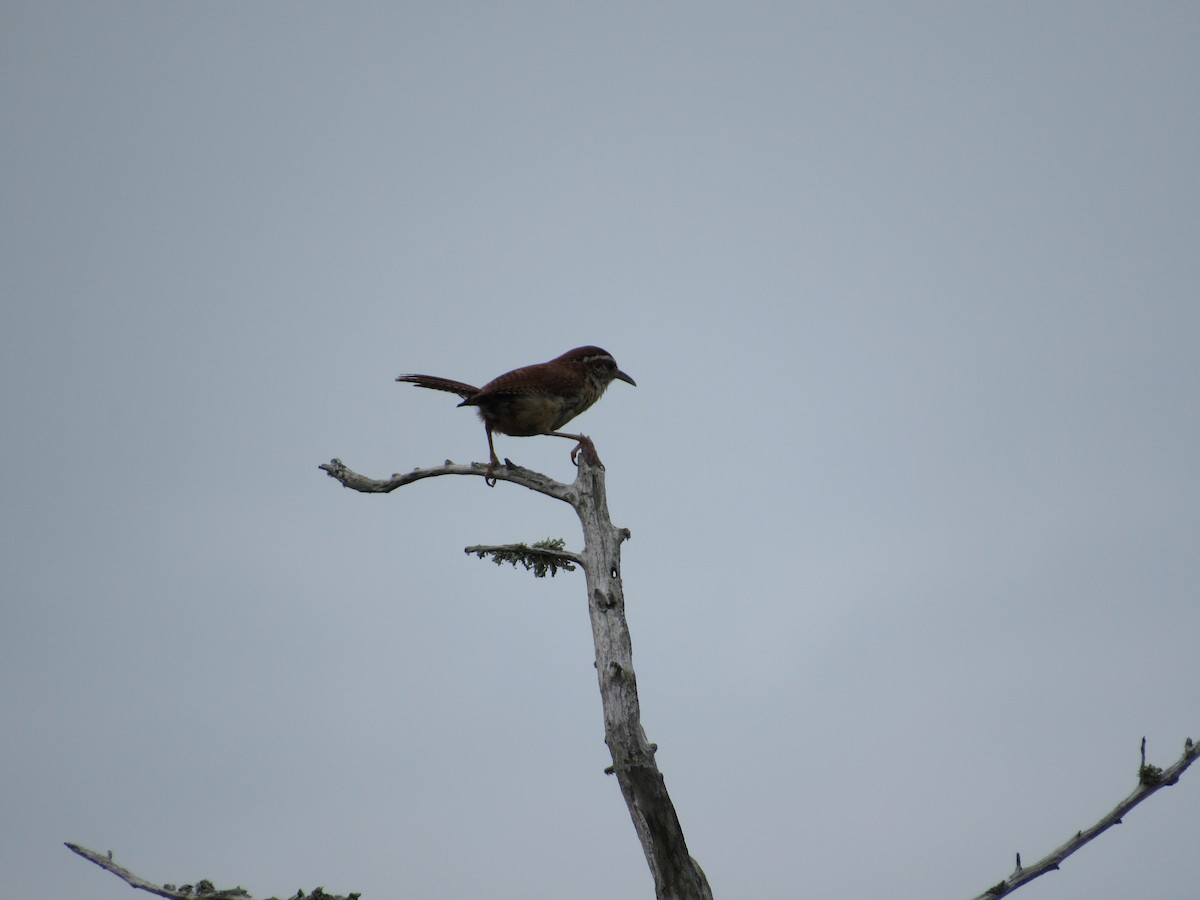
column 434, row 383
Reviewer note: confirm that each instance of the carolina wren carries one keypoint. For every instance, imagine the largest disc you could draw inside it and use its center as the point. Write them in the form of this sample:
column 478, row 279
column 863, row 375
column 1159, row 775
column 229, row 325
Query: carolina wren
column 538, row 399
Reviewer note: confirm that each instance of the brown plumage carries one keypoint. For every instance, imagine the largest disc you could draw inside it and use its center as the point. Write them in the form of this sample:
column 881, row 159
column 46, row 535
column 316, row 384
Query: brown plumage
column 538, row 399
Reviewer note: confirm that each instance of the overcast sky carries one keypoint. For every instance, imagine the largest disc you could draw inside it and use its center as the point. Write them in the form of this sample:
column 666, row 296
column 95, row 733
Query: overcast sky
column 910, row 292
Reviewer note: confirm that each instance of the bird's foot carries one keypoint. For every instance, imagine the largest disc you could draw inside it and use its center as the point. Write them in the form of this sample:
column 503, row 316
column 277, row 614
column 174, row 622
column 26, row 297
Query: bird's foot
column 489, row 474
column 588, row 449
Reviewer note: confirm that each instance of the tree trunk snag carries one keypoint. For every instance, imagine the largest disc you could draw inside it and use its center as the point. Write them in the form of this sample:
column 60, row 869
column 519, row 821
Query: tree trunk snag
column 676, row 875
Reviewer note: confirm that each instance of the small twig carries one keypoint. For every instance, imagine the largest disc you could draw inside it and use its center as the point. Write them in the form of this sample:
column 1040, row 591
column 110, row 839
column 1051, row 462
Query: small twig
column 1150, row 779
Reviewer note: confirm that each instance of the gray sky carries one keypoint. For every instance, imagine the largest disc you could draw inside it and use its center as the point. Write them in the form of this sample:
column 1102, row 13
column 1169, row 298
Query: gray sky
column 910, row 294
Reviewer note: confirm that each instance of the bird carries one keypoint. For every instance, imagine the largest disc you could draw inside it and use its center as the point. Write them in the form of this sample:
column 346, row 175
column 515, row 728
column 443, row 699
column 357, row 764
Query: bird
column 537, row 399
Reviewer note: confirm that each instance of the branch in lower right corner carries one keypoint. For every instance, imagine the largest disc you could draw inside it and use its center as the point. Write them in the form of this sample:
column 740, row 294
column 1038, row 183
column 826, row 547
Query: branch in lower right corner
column 1150, row 779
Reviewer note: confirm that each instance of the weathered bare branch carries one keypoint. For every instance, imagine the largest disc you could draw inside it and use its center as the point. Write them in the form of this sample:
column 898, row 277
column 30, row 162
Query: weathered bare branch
column 201, row 890
column 1150, row 779
column 528, row 478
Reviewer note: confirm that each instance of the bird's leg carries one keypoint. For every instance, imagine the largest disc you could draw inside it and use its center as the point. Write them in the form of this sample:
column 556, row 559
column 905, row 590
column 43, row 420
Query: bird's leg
column 585, row 444
column 489, row 476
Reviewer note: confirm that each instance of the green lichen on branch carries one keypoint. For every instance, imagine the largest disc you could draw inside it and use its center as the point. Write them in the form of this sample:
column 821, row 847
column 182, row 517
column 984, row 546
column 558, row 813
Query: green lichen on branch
column 542, row 557
column 319, row 894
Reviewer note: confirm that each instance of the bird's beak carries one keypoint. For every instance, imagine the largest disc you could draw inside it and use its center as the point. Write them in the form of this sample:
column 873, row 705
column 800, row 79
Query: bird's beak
column 625, row 377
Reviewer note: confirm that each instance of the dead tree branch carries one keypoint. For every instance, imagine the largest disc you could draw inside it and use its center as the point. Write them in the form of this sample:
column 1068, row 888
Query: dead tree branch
column 1150, row 779
column 528, row 478
column 201, row 890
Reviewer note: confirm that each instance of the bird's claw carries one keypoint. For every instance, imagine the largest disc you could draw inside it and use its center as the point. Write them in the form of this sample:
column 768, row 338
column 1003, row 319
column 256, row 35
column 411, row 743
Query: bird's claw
column 586, row 447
